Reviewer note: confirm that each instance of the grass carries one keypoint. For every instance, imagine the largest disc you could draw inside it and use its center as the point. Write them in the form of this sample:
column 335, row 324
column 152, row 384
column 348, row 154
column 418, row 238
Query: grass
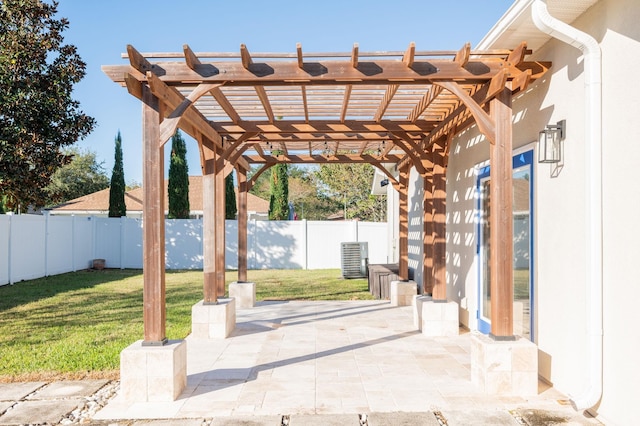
column 75, row 325
column 520, row 284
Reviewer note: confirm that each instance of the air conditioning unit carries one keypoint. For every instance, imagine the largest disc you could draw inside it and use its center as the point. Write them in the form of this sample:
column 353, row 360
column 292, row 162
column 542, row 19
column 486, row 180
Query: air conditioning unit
column 355, row 259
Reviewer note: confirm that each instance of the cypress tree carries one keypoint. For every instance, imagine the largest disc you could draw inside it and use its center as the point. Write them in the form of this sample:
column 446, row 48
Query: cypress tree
column 230, row 208
column 279, row 200
column 117, row 207
column 178, row 179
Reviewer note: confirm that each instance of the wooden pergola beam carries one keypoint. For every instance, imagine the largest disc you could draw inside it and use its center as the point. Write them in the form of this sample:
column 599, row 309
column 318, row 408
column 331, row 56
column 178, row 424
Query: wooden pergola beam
column 300, row 58
column 329, row 158
column 424, row 103
column 354, row 55
column 409, row 55
column 264, row 99
column 386, row 100
column 345, row 102
column 225, row 105
column 483, row 120
column 404, row 142
column 257, row 174
column 463, row 55
column 303, row 90
column 324, row 126
column 172, row 98
column 245, row 56
column 517, row 55
column 170, row 124
column 229, row 151
column 190, row 58
column 496, row 85
column 322, row 73
column 275, row 138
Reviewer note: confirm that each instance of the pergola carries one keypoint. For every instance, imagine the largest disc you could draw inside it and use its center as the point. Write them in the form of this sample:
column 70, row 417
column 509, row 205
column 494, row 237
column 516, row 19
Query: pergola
column 401, row 108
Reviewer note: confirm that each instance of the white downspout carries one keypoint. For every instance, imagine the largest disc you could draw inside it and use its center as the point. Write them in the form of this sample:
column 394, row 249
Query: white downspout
column 593, row 140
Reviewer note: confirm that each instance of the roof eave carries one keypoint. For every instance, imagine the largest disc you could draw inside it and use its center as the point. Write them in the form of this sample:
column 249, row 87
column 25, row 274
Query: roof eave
column 515, row 12
column 516, row 25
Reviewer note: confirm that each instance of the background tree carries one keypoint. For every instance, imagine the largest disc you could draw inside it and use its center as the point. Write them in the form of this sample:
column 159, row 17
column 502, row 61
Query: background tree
column 38, row 117
column 262, row 186
column 178, row 179
column 83, row 175
column 279, row 200
column 351, row 184
column 133, row 184
column 308, row 202
column 117, row 207
column 230, row 204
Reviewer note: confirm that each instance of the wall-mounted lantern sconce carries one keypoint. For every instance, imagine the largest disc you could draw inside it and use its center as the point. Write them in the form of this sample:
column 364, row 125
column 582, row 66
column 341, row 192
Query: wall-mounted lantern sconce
column 384, row 182
column 549, row 148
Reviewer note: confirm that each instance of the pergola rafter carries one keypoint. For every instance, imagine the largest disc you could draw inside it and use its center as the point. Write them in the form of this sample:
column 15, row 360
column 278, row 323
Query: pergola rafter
column 393, row 110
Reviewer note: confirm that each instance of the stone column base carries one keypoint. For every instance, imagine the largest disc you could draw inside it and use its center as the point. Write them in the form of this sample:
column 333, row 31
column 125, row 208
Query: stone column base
column 504, row 367
column 417, row 302
column 153, row 373
column 213, row 321
column 440, row 318
column 244, row 293
column 402, row 292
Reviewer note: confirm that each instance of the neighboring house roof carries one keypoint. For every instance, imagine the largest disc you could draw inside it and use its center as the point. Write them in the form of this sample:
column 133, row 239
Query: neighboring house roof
column 98, row 202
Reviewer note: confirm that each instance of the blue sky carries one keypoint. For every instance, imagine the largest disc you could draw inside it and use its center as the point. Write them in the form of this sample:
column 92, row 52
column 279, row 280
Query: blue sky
column 102, row 29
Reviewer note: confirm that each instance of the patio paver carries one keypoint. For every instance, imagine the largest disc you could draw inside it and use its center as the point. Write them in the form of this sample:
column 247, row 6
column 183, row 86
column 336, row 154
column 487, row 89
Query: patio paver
column 325, row 420
column 68, row 389
column 18, row 391
column 4, row 405
column 476, row 417
column 47, row 412
column 402, row 419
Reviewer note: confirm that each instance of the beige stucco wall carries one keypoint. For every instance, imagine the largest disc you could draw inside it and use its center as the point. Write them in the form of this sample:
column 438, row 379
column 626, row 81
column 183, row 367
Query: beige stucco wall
column 616, row 26
column 560, row 212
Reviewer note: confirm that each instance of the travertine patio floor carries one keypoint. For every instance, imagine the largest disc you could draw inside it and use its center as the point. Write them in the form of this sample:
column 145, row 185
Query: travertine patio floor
column 349, row 357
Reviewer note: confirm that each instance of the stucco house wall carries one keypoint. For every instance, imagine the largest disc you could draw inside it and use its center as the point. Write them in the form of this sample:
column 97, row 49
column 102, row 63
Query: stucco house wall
column 615, row 25
column 561, row 214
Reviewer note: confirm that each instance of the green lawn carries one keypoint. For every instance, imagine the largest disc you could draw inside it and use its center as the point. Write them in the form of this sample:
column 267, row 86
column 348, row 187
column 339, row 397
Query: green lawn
column 75, row 325
column 521, row 284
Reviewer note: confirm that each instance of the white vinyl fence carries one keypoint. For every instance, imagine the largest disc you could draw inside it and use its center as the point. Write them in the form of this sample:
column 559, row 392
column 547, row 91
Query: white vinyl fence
column 37, row 246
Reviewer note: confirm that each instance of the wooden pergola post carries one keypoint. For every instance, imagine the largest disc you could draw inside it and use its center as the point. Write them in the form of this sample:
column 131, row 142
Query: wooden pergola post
column 439, row 204
column 153, row 219
column 210, row 292
column 501, row 219
column 403, row 217
column 427, row 233
column 242, row 224
column 219, row 212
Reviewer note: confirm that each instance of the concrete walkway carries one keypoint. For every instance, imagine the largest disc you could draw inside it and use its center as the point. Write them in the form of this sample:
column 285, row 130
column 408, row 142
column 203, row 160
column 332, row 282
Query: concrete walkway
column 332, row 363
